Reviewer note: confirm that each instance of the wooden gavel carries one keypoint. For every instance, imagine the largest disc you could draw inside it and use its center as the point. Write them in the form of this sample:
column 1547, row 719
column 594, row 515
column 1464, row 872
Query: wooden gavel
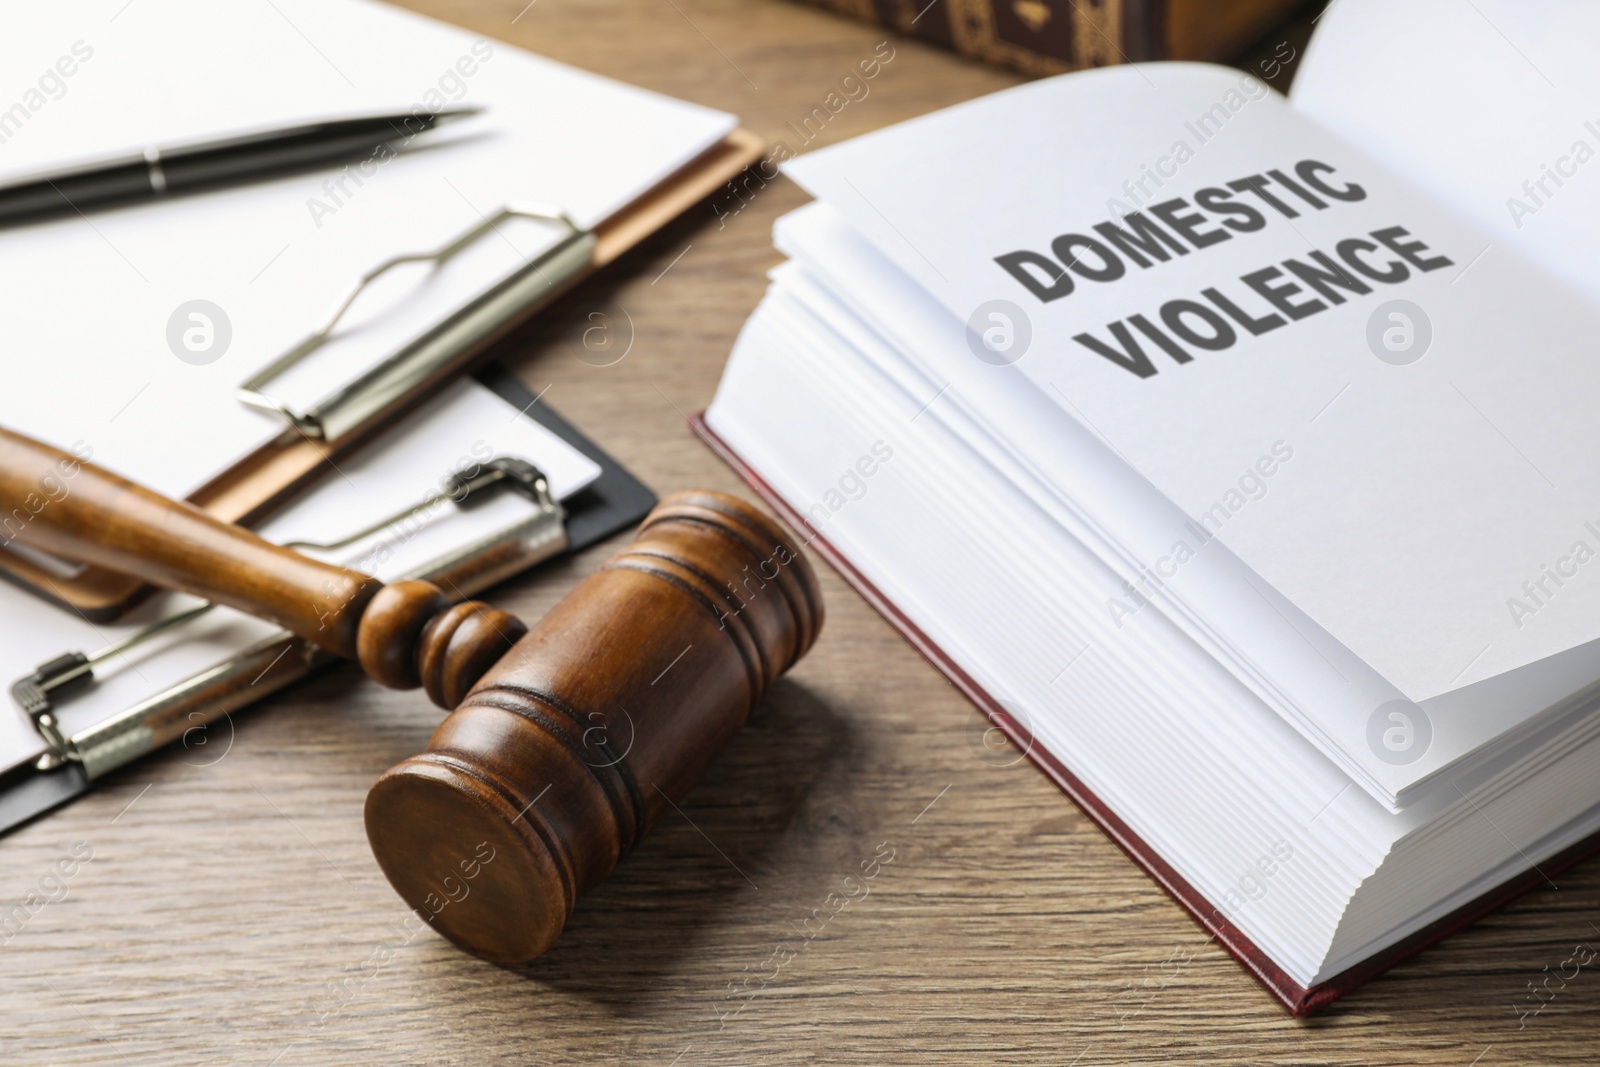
column 566, row 743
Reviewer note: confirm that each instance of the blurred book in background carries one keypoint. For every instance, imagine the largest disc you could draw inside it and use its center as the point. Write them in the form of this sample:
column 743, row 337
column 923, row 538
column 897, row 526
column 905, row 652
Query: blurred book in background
column 1055, row 36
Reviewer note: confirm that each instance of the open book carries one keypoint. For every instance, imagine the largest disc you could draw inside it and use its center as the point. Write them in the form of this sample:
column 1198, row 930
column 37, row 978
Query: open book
column 1230, row 451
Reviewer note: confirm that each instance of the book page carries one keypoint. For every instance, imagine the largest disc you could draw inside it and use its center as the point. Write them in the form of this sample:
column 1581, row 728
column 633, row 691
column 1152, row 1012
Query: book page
column 1492, row 106
column 1385, row 448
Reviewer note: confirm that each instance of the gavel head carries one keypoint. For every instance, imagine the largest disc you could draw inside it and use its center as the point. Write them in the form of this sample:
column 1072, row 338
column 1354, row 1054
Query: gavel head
column 594, row 725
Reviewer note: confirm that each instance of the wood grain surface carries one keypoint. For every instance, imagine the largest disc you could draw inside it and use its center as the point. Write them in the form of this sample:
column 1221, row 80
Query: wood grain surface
column 218, row 904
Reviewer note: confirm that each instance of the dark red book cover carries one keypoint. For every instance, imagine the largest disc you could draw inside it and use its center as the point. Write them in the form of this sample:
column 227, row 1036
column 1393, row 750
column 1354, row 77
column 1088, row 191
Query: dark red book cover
column 1301, row 1001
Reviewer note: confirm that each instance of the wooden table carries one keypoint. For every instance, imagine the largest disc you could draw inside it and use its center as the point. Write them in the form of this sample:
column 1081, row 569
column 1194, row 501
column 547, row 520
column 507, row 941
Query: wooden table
column 232, row 913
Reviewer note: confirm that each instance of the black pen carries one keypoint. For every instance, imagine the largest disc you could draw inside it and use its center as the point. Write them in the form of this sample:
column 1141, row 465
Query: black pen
column 161, row 172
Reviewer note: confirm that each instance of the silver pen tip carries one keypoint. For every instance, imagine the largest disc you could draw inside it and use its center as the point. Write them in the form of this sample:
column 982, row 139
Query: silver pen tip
column 453, row 113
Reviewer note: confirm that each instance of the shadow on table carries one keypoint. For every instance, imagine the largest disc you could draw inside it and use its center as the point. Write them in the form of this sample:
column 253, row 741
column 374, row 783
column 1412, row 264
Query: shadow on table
column 643, row 924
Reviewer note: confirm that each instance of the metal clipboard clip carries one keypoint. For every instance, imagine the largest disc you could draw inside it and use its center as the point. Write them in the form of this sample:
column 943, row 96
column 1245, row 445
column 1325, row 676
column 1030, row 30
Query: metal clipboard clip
column 357, row 402
column 189, row 705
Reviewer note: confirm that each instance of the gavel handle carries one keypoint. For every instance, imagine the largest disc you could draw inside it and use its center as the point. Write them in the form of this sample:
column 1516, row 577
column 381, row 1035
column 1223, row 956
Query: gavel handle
column 404, row 635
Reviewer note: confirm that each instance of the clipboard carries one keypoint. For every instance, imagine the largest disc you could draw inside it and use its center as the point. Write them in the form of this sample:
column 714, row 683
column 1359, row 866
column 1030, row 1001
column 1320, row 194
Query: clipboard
column 273, row 474
column 612, row 502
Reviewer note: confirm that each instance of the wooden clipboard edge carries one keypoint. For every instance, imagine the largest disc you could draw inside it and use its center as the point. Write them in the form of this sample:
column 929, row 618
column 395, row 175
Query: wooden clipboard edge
column 695, row 181
column 272, row 474
column 96, row 594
